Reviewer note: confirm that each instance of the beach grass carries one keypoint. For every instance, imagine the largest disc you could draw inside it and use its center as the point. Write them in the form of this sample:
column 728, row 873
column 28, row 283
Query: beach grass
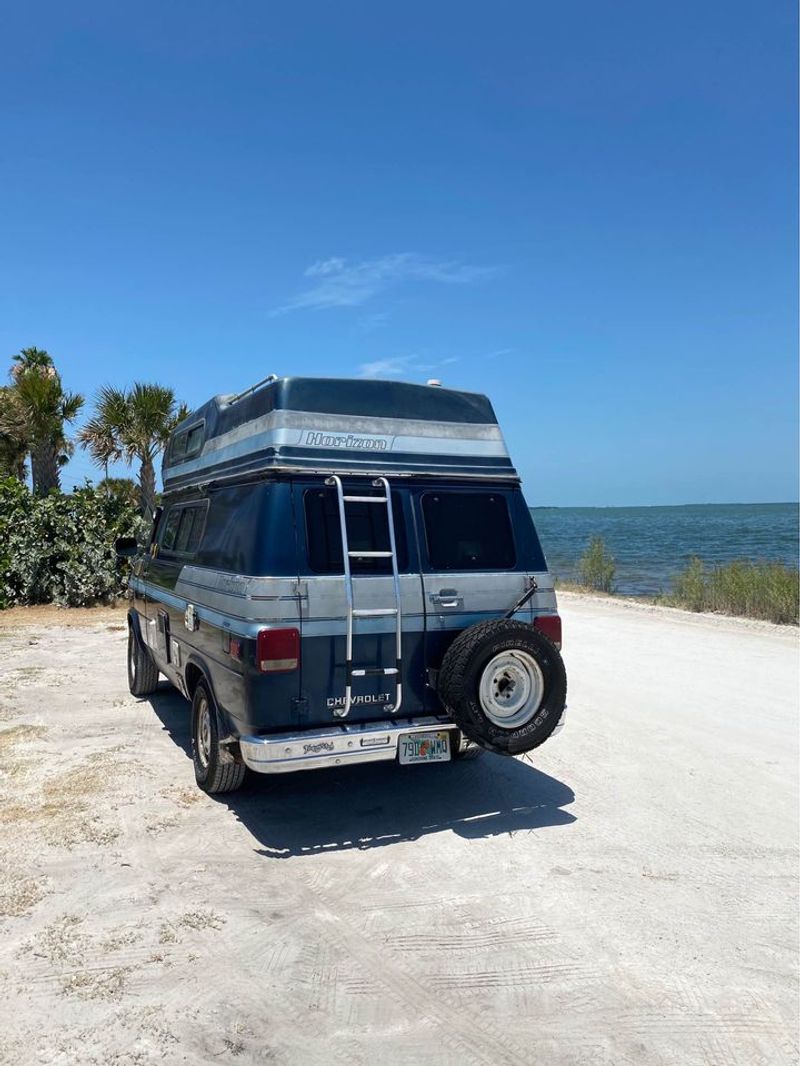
column 596, row 568
column 766, row 591
column 770, row 591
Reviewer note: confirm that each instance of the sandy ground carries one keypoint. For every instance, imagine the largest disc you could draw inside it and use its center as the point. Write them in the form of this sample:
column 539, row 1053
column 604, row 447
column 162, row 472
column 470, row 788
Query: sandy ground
column 69, row 617
column 628, row 896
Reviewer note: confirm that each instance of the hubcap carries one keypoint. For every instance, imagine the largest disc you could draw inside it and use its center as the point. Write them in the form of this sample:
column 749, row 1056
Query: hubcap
column 203, row 739
column 511, row 689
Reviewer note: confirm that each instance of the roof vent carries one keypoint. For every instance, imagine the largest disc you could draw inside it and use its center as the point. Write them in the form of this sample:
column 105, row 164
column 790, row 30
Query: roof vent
column 435, row 382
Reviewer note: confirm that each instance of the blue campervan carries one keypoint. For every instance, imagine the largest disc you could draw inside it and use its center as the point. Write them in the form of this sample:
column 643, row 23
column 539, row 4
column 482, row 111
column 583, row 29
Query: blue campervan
column 343, row 572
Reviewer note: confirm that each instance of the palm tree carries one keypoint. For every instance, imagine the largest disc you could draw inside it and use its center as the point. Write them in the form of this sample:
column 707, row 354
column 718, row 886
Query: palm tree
column 13, row 437
column 33, row 412
column 133, row 424
column 123, row 489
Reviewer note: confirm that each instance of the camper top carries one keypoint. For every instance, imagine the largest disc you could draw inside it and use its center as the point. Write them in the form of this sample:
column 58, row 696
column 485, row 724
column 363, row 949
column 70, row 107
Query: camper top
column 335, row 425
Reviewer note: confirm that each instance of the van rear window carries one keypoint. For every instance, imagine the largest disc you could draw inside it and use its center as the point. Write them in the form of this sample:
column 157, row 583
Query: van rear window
column 367, row 530
column 468, row 531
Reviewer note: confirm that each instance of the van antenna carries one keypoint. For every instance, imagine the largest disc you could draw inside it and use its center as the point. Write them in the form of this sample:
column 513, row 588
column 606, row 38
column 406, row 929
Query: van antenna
column 253, row 388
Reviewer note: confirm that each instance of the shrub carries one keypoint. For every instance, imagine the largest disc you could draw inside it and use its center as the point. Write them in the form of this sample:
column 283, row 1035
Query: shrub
column 770, row 591
column 59, row 548
column 596, row 569
column 689, row 588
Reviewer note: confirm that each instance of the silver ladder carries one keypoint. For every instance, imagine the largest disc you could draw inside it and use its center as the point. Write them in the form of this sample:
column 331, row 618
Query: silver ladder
column 354, row 612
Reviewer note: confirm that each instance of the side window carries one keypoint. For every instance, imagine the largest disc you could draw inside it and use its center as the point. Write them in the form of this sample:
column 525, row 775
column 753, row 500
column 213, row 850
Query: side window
column 468, row 531
column 171, row 529
column 194, row 440
column 367, row 530
column 196, row 534
column 184, row 529
column 187, row 443
column 188, row 518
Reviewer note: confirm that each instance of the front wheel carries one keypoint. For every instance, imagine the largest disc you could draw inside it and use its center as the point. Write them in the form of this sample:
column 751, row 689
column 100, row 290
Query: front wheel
column 215, row 768
column 505, row 685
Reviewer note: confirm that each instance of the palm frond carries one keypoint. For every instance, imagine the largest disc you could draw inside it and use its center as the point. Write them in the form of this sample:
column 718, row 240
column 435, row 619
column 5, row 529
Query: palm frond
column 32, row 359
column 131, row 424
column 71, row 403
column 99, row 439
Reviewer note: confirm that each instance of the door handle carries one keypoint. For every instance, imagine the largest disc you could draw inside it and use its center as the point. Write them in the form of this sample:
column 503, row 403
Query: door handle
column 447, row 598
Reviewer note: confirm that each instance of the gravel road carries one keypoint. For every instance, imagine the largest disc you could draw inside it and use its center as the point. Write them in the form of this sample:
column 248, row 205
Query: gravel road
column 629, row 895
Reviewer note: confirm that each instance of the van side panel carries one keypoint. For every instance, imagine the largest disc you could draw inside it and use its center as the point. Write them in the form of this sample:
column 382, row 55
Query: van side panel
column 248, row 529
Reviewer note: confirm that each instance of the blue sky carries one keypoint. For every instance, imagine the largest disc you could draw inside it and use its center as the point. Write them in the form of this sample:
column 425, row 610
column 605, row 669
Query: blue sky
column 587, row 210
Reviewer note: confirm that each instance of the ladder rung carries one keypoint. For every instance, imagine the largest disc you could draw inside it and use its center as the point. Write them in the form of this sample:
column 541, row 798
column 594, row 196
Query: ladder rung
column 364, row 499
column 376, row 671
column 373, row 612
column 370, row 555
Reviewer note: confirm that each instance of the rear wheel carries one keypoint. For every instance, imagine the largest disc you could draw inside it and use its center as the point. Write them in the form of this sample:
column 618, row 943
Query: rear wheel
column 464, row 749
column 215, row 768
column 505, row 685
column 142, row 670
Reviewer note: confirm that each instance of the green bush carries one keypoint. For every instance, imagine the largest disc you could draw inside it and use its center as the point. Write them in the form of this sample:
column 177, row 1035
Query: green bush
column 597, row 568
column 59, row 548
column 770, row 591
column 689, row 588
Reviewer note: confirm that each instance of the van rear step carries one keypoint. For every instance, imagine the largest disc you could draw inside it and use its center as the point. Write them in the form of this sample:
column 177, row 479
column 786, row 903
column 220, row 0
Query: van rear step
column 336, row 745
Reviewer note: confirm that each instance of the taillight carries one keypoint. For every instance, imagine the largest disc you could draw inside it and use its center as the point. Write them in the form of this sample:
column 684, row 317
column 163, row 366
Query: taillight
column 277, row 650
column 550, row 625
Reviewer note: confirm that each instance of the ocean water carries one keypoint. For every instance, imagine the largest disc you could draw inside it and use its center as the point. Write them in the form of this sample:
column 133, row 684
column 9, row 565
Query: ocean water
column 652, row 544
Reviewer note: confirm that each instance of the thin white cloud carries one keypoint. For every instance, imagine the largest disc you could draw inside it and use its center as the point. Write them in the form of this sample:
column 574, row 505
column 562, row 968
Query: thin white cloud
column 341, row 283
column 402, row 366
column 371, row 322
column 323, row 267
column 386, row 368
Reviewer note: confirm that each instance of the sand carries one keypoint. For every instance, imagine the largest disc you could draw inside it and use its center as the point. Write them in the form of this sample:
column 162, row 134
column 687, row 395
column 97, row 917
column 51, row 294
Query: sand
column 628, row 894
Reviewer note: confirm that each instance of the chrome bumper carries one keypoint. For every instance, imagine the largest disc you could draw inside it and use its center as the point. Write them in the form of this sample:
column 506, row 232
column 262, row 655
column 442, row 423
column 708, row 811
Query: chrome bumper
column 338, row 745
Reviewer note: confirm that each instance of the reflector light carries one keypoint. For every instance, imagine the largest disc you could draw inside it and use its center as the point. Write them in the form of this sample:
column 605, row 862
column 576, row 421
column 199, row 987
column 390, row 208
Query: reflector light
column 550, row 625
column 278, row 650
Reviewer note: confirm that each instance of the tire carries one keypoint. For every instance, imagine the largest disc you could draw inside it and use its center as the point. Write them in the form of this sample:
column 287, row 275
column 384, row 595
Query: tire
column 215, row 768
column 473, row 751
column 505, row 685
column 142, row 670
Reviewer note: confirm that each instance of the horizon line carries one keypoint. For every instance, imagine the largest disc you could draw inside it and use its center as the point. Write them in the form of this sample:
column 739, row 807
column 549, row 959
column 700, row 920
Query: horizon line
column 618, row 506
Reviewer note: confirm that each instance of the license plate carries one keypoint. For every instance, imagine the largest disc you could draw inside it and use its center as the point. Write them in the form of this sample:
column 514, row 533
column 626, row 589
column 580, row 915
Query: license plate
column 424, row 747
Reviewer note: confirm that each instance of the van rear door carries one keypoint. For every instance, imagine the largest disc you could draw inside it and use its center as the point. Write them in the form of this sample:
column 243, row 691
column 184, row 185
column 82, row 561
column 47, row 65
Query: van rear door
column 477, row 559
column 324, row 603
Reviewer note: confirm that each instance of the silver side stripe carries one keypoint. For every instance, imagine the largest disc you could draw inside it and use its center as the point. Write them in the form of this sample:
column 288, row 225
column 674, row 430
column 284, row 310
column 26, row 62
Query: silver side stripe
column 248, row 628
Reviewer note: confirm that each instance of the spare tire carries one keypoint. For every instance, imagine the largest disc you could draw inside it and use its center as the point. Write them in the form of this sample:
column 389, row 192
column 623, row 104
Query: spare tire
column 504, row 684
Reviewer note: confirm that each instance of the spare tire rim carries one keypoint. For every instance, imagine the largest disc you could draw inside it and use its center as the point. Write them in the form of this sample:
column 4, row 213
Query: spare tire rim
column 511, row 689
column 203, row 732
